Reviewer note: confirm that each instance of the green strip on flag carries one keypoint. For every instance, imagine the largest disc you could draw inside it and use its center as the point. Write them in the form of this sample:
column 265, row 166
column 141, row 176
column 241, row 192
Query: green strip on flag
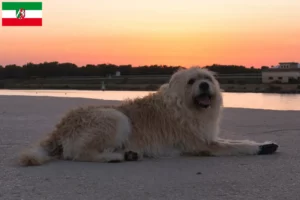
column 24, row 5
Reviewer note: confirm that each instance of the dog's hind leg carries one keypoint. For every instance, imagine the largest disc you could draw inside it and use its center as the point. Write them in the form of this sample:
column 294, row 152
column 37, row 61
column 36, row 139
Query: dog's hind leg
column 223, row 147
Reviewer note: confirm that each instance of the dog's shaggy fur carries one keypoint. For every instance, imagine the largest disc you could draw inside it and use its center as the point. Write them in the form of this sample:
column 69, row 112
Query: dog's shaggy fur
column 182, row 117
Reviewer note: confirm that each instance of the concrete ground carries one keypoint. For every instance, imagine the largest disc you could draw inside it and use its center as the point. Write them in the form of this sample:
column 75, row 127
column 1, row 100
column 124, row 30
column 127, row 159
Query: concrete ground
column 24, row 120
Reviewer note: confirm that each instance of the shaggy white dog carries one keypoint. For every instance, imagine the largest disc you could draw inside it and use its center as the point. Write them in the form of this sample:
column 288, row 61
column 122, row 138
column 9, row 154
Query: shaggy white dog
column 181, row 118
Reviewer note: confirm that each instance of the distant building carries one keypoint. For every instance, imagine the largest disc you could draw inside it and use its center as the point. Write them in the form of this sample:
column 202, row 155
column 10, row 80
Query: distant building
column 288, row 65
column 287, row 72
column 118, row 73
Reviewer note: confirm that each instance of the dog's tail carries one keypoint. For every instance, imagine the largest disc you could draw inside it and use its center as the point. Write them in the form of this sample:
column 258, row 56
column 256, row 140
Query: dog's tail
column 45, row 151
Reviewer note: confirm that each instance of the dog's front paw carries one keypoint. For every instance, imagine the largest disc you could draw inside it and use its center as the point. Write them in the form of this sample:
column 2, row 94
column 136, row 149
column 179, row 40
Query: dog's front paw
column 131, row 156
column 267, row 148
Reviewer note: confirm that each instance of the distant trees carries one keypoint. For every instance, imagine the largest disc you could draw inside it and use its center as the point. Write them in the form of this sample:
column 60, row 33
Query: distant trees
column 232, row 69
column 265, row 67
column 55, row 69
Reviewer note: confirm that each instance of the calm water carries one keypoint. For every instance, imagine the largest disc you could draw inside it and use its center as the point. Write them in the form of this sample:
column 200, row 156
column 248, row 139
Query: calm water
column 237, row 100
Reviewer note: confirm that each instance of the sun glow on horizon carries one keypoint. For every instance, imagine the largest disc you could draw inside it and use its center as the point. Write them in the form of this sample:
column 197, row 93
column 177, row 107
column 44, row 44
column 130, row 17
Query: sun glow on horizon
column 186, row 33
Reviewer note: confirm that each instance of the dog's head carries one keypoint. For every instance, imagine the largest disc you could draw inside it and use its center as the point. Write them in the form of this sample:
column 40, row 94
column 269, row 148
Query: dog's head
column 196, row 87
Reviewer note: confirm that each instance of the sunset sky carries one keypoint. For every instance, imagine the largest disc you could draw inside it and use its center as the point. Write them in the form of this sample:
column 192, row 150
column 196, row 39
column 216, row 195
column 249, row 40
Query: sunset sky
column 170, row 32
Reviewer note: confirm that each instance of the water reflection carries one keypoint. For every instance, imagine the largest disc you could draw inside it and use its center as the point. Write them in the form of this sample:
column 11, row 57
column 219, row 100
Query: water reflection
column 237, row 100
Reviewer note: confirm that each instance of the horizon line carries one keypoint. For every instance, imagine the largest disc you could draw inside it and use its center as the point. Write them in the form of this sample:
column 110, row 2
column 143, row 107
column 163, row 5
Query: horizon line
column 108, row 63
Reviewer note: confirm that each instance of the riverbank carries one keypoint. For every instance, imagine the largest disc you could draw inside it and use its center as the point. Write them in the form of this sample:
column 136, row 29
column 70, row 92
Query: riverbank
column 24, row 120
column 138, row 83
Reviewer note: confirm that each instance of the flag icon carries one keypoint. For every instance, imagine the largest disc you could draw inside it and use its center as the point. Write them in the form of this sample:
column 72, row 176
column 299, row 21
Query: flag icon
column 21, row 13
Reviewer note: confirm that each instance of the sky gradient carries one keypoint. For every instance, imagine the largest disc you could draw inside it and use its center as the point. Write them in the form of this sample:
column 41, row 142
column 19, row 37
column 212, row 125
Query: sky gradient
column 170, row 32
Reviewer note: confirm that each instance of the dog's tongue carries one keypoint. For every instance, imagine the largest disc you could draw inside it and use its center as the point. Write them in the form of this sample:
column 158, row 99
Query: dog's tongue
column 204, row 100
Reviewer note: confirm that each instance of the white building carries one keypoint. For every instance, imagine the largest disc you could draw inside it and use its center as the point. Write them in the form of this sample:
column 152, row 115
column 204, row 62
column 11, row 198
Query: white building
column 286, row 72
column 288, row 65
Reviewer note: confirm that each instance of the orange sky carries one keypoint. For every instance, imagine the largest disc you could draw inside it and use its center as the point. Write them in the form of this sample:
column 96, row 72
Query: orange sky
column 171, row 32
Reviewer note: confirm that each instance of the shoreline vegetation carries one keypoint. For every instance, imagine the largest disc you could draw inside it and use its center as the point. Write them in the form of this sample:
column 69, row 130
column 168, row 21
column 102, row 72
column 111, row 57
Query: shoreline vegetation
column 54, row 75
column 135, row 84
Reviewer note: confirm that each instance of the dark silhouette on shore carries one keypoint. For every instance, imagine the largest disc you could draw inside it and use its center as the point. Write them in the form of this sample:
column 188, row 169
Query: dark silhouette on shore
column 55, row 75
column 56, row 69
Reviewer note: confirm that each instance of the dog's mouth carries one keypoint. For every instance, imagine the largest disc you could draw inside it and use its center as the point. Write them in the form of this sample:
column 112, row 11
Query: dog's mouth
column 203, row 100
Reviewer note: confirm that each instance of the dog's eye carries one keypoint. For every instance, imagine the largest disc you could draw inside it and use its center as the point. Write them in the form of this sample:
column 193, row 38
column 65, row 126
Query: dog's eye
column 191, row 81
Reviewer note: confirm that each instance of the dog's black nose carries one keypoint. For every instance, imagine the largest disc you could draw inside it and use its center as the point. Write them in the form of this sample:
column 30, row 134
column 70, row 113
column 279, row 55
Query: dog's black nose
column 204, row 86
